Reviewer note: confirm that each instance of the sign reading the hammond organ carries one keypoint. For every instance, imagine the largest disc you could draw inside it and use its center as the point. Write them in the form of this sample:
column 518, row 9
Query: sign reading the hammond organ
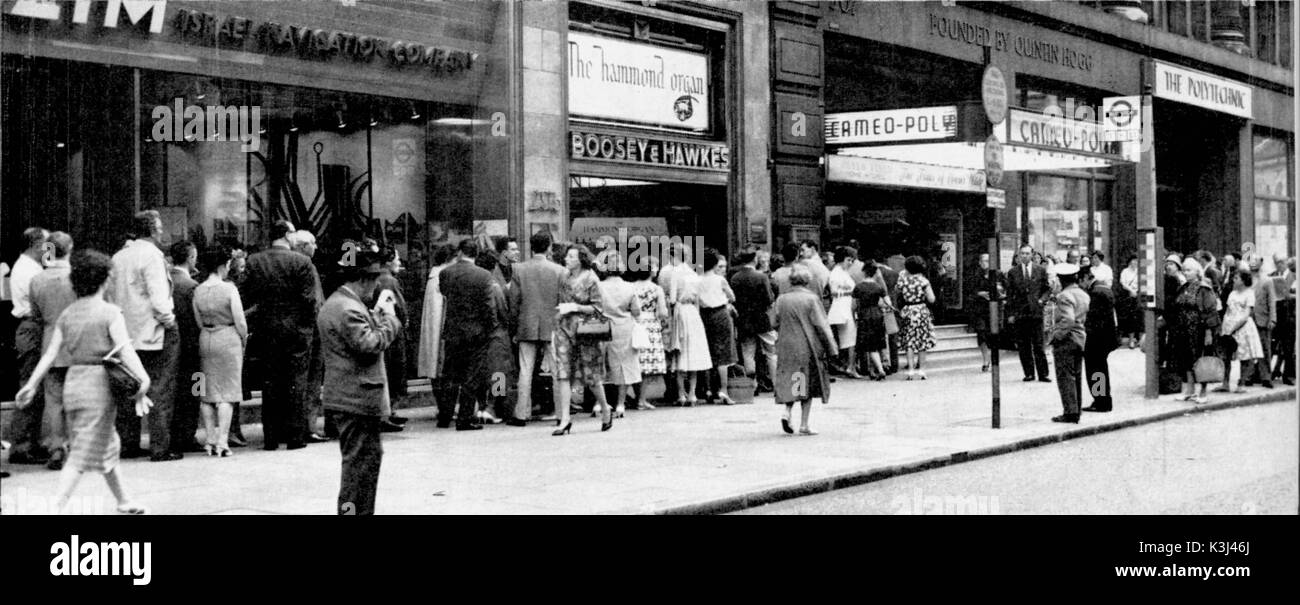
column 627, row 82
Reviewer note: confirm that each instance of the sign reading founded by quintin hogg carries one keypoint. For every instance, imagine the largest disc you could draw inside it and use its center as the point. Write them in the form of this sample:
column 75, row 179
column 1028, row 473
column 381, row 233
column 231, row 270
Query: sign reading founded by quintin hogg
column 627, row 82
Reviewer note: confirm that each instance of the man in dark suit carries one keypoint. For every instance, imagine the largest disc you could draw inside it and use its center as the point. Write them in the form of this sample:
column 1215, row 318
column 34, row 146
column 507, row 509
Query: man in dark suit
column 185, row 411
column 1027, row 292
column 467, row 293
column 1100, row 331
column 754, row 298
column 353, row 339
column 533, row 296
column 279, row 292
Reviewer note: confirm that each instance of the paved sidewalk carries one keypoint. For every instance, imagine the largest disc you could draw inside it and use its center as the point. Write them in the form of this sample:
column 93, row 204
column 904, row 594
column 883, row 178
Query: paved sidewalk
column 669, row 460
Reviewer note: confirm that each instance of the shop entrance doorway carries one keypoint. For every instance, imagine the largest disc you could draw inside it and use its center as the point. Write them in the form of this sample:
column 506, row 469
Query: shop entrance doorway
column 600, row 206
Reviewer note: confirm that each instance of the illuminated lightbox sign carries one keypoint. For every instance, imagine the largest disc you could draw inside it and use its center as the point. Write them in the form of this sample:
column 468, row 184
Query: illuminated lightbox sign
column 912, row 124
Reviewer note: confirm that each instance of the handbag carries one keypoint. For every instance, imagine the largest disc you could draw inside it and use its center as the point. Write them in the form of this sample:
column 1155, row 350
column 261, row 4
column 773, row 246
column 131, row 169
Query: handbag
column 640, row 336
column 1208, row 369
column 594, row 329
column 122, row 383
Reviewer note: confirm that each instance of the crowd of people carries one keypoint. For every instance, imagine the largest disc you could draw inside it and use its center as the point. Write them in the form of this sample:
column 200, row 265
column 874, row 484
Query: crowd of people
column 687, row 328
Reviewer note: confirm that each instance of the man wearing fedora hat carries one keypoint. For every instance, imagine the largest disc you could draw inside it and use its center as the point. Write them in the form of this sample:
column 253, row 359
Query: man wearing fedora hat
column 1068, row 340
column 353, row 339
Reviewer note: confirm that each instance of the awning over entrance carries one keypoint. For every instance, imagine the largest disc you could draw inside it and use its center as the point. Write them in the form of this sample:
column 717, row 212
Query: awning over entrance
column 1032, row 141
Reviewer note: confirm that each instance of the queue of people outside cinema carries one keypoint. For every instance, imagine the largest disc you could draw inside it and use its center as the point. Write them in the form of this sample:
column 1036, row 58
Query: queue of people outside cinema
column 569, row 332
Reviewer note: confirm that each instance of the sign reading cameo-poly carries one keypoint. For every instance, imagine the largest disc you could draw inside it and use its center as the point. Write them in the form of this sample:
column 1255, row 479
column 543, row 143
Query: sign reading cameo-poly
column 993, row 93
column 993, row 161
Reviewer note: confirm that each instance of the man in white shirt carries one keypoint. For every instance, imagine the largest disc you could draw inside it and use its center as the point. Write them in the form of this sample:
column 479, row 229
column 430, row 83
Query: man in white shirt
column 142, row 287
column 25, row 426
column 821, row 276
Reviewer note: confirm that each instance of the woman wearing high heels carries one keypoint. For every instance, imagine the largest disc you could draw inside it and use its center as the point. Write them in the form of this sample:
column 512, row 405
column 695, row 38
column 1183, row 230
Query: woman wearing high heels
column 654, row 314
column 220, row 314
column 716, row 310
column 578, row 360
column 840, row 315
column 804, row 343
column 986, row 286
column 89, row 330
column 688, row 336
column 868, row 296
column 622, row 306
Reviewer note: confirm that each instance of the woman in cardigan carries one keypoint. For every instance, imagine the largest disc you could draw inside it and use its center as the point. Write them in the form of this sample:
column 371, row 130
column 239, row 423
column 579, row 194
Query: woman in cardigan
column 804, row 343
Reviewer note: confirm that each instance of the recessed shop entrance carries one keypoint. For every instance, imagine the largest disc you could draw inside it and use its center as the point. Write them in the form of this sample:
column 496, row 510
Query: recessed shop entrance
column 600, row 206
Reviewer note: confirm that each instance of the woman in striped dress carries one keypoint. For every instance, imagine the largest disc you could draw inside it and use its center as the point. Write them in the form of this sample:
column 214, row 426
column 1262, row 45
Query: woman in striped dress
column 87, row 331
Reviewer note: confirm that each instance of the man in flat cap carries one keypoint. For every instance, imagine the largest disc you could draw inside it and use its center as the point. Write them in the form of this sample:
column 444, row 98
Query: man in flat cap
column 1068, row 340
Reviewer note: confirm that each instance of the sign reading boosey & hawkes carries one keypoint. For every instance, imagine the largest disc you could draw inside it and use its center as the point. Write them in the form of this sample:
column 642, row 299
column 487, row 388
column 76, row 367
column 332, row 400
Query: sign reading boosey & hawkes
column 612, row 79
column 649, row 150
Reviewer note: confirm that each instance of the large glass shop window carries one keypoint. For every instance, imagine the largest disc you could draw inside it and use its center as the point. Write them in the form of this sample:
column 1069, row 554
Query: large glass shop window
column 1058, row 215
column 1273, row 196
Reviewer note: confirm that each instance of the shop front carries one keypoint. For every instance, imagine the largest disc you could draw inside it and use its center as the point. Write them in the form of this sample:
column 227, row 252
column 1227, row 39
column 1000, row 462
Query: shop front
column 649, row 139
column 350, row 120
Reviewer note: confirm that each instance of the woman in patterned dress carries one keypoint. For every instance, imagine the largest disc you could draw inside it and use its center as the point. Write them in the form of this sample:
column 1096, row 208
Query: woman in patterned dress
column 578, row 360
column 654, row 313
column 1193, row 319
column 1239, row 323
column 915, row 293
column 220, row 314
column 87, row 331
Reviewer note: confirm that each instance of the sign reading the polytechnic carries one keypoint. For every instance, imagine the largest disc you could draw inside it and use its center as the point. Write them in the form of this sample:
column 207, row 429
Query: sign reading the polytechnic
column 654, row 151
column 1203, row 90
column 912, row 124
column 873, row 171
column 640, row 83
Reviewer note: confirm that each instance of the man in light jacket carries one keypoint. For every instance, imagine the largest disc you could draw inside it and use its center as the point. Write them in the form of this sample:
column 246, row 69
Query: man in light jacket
column 533, row 297
column 142, row 287
column 353, row 339
column 1069, row 337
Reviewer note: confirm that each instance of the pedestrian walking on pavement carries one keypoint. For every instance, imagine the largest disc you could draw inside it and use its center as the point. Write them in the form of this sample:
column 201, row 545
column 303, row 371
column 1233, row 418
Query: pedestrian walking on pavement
column 915, row 295
column 141, row 287
column 1100, row 332
column 1027, row 293
column 754, row 330
column 869, row 300
column 1069, row 336
column 1193, row 322
column 804, row 347
column 219, row 311
column 89, row 330
column 986, row 286
column 579, row 358
column 353, row 339
column 50, row 293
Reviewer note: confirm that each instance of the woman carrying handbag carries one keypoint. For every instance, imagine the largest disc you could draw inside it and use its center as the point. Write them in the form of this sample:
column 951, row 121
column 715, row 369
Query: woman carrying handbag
column 1194, row 320
column 1240, row 337
column 581, row 331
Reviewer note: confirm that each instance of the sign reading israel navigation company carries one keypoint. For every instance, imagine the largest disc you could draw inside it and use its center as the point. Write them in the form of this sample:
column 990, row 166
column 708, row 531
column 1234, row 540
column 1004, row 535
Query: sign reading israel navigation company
column 641, row 83
column 1203, row 90
column 874, row 171
column 910, row 124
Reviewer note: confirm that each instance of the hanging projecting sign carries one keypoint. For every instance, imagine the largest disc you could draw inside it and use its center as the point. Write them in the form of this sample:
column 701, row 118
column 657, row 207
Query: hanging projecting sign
column 1043, row 130
column 615, row 80
column 993, row 161
column 993, row 94
column 912, row 124
column 996, row 198
column 1202, row 90
column 872, row 171
column 1121, row 118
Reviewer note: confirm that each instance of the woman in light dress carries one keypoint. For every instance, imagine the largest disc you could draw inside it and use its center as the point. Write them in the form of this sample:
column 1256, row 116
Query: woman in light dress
column 1239, row 323
column 653, row 316
column 429, row 359
column 840, row 315
column 621, row 305
column 220, row 314
column 688, row 337
column 89, row 330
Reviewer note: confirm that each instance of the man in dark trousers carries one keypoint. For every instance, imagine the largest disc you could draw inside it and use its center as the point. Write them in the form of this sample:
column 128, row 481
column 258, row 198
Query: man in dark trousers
column 890, row 276
column 50, row 293
column 1027, row 292
column 279, row 293
column 753, row 324
column 353, row 340
column 25, row 425
column 1100, row 330
column 1069, row 337
column 185, row 415
column 533, row 296
column 467, row 293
